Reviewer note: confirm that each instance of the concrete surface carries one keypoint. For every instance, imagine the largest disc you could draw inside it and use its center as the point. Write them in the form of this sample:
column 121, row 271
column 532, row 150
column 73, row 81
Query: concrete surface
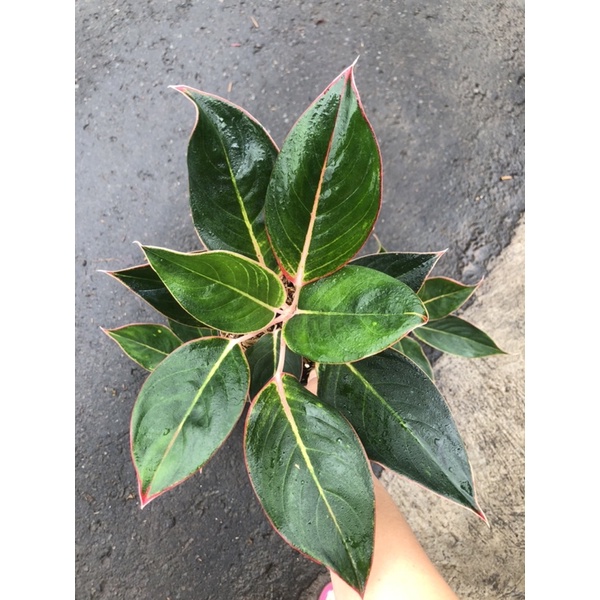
column 443, row 86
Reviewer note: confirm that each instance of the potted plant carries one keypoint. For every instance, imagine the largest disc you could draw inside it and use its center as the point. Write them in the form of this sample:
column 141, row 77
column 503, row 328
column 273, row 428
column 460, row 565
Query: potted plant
column 278, row 292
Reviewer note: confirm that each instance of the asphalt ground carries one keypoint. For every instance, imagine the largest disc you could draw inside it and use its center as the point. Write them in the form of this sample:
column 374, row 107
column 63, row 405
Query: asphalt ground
column 443, row 87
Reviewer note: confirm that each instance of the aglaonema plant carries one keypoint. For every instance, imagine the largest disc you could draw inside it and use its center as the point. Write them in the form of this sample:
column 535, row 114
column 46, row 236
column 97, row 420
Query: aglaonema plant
column 276, row 291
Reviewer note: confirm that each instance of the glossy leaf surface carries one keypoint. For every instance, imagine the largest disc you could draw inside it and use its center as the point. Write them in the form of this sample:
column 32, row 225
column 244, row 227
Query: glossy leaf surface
column 230, row 159
column 225, row 290
column 186, row 333
column 325, row 189
column 185, row 410
column 442, row 296
column 263, row 358
column 413, row 350
column 353, row 313
column 146, row 344
column 457, row 336
column 402, row 420
column 149, row 286
column 312, row 478
column 410, row 268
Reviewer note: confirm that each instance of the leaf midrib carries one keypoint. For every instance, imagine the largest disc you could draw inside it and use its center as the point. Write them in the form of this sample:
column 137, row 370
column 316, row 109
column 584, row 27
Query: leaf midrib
column 240, row 201
column 225, row 285
column 303, row 450
column 145, row 345
column 442, row 296
column 455, row 335
column 300, row 271
column 405, row 425
column 195, row 400
column 357, row 314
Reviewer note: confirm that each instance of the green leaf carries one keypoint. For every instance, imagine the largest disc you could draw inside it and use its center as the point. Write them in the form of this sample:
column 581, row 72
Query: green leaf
column 402, row 421
column 224, row 290
column 186, row 333
column 459, row 337
column 230, row 159
column 353, row 313
column 263, row 358
column 442, row 296
column 413, row 350
column 185, row 410
column 312, row 478
column 146, row 344
column 410, row 268
column 143, row 281
column 325, row 189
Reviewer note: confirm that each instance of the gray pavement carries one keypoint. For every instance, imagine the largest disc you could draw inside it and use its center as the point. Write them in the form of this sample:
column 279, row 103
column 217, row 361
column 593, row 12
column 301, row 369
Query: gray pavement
column 443, row 86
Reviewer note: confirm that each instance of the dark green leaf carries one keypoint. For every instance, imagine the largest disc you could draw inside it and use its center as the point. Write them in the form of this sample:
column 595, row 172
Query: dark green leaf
column 410, row 268
column 226, row 291
column 325, row 190
column 263, row 358
column 186, row 333
column 442, row 296
column 185, row 410
column 149, row 286
column 402, row 420
column 351, row 314
column 312, row 478
column 146, row 344
column 230, row 159
column 413, row 350
column 456, row 336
